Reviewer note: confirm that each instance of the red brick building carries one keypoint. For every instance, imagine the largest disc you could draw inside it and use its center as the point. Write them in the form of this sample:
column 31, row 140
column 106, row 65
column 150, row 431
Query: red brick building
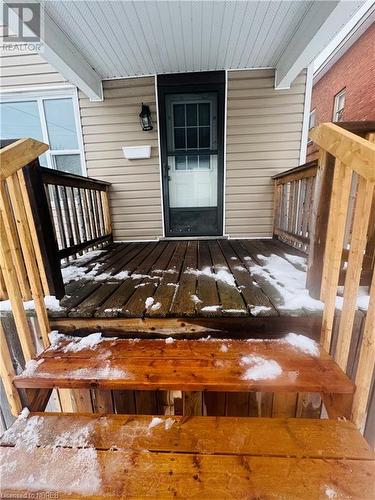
column 346, row 92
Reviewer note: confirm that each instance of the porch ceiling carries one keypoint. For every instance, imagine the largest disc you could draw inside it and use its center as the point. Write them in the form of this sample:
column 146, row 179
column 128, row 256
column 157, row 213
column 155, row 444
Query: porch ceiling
column 126, row 38
column 88, row 41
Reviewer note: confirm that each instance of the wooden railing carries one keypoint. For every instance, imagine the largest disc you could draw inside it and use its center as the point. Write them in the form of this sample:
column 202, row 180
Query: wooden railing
column 21, row 264
column 346, row 158
column 29, row 251
column 293, row 201
column 71, row 215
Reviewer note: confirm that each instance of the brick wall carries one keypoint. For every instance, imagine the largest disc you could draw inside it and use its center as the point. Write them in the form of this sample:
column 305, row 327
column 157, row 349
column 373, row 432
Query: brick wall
column 354, row 71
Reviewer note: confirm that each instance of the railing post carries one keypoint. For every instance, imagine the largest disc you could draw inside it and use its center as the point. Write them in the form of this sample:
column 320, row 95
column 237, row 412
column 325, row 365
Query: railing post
column 44, row 228
column 319, row 223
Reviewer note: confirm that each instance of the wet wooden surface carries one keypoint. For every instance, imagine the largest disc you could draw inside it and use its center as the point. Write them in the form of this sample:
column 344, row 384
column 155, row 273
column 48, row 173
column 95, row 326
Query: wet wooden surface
column 170, row 273
column 187, row 365
column 198, row 457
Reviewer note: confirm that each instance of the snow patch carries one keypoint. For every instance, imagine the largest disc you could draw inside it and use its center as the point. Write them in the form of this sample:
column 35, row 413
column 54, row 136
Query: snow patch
column 169, row 340
column 73, row 273
column 31, row 367
column 303, row 344
column 222, row 274
column 24, row 413
column 76, row 344
column 260, row 368
column 149, row 301
column 288, row 282
column 121, row 275
column 297, row 260
column 224, row 348
column 211, row 308
column 259, row 309
column 168, row 423
column 195, row 299
column 330, row 492
column 156, row 307
column 97, row 373
column 50, row 301
column 154, row 422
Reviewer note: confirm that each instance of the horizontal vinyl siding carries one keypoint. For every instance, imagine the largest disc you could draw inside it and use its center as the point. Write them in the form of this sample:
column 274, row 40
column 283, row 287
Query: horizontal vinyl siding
column 264, row 128
column 135, row 196
column 27, row 70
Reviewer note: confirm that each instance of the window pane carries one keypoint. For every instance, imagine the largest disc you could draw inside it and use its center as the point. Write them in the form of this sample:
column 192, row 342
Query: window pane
column 180, row 162
column 68, row 163
column 192, row 138
column 204, row 162
column 191, row 114
column 192, row 162
column 20, row 119
column 179, row 138
column 204, row 137
column 179, row 115
column 60, row 123
column 204, row 114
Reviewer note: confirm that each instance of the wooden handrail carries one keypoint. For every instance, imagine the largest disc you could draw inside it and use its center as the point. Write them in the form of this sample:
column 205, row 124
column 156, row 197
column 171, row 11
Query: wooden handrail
column 347, row 161
column 16, row 155
column 352, row 150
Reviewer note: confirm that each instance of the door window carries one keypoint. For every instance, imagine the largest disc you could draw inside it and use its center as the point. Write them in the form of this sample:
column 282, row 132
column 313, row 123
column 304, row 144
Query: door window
column 192, row 155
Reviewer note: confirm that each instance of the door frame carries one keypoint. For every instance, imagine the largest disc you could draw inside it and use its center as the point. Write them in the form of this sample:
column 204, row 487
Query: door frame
column 190, row 83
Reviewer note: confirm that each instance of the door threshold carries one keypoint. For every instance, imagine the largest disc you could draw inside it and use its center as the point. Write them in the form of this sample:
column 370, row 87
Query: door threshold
column 187, row 238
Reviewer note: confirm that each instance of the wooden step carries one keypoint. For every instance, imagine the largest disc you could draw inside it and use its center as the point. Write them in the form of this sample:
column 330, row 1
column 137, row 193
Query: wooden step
column 120, row 456
column 187, row 365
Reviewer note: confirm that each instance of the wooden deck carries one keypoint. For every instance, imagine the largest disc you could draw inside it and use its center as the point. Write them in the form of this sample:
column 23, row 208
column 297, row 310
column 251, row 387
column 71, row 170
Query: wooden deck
column 185, row 279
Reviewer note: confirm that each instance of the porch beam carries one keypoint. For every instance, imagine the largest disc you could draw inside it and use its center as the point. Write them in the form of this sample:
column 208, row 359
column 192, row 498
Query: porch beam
column 315, row 31
column 60, row 52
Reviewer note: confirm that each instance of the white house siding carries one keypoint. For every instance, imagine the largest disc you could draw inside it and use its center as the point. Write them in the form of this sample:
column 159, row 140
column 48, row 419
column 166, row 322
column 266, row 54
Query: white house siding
column 107, row 126
column 264, row 129
column 27, row 70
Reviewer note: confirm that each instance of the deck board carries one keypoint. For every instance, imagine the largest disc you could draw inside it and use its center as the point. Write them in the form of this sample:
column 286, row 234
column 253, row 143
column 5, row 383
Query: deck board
column 185, row 279
column 199, row 457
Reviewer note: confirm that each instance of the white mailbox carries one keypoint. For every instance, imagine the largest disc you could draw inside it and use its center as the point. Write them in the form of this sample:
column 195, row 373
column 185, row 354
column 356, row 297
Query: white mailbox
column 137, row 152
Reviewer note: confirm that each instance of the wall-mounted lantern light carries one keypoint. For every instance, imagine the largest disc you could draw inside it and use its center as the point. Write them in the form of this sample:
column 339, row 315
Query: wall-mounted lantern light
column 145, row 118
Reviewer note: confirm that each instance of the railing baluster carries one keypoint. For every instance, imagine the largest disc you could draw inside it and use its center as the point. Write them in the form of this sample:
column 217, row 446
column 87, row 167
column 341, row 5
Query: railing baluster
column 365, row 364
column 95, row 212
column 342, row 179
column 60, row 219
column 100, row 212
column 353, row 272
column 73, row 213
column 29, row 255
column 14, row 243
column 86, row 216
column 90, row 213
column 67, row 216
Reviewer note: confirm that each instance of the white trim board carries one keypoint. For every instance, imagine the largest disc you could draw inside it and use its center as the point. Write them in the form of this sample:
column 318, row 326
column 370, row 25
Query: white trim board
column 306, row 114
column 159, row 151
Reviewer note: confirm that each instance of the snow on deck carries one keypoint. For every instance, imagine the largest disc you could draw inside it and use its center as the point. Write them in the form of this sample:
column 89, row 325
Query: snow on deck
column 236, row 278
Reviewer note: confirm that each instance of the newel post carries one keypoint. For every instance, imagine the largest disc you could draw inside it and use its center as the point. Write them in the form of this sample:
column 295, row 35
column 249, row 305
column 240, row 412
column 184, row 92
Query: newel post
column 319, row 222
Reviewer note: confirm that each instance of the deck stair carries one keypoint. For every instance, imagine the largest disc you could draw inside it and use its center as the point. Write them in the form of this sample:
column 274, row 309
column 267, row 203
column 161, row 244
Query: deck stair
column 268, row 365
column 122, row 456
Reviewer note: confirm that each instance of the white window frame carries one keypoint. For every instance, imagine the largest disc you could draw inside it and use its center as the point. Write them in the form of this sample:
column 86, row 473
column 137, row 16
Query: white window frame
column 336, row 111
column 312, row 114
column 44, row 95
